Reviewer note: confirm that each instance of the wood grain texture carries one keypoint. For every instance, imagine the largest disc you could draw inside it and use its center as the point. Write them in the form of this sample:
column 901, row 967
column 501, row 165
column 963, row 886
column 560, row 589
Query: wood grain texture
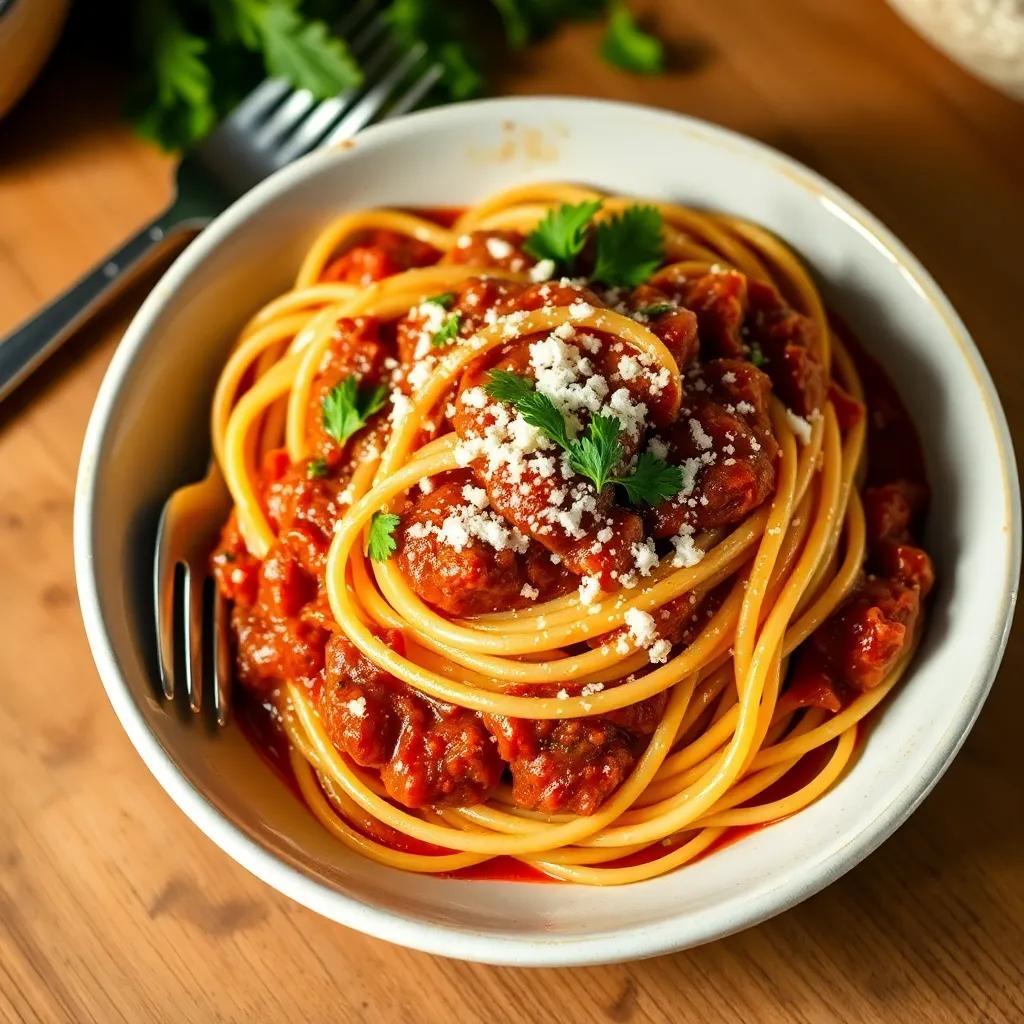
column 113, row 907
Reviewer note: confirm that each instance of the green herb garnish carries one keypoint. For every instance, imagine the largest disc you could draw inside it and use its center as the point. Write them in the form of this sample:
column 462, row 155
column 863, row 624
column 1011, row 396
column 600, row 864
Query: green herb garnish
column 315, row 469
column 382, row 544
column 562, row 233
column 195, row 61
column 448, row 331
column 444, row 300
column 629, row 247
column 538, row 410
column 757, row 356
column 657, row 308
column 347, row 407
column 594, row 454
column 627, row 46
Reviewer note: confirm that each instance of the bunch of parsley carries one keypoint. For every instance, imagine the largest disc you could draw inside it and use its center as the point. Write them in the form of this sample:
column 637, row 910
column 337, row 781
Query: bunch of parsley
column 196, row 58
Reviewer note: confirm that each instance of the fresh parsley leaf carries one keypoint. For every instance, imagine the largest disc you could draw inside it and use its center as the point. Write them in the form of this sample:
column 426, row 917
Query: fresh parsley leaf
column 315, row 469
column 304, row 52
column 629, row 247
column 627, row 46
column 172, row 105
column 757, row 356
column 448, row 331
column 562, row 233
column 439, row 26
column 527, row 20
column 597, row 452
column 653, row 480
column 347, row 407
column 657, row 308
column 538, row 410
column 382, row 544
column 444, row 300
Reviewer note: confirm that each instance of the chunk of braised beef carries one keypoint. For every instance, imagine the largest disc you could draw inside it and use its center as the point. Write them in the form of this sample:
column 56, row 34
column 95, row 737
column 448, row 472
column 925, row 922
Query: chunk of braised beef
column 869, row 632
column 733, row 472
column 381, row 254
column 676, row 328
column 744, row 391
column 549, row 293
column 476, row 577
column 893, row 511
column 905, row 563
column 719, row 301
column 786, row 339
column 305, row 507
column 285, row 587
column 429, row 753
column 272, row 651
column 573, row 766
column 569, row 766
column 849, row 412
column 235, row 571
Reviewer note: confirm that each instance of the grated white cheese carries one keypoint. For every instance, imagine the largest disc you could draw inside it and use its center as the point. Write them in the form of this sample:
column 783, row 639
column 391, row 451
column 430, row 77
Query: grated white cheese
column 645, row 557
column 542, row 271
column 659, row 651
column 530, row 593
column 590, row 588
column 657, row 447
column 641, row 627
column 499, row 249
column 800, row 427
column 700, row 436
column 357, row 707
column 687, row 553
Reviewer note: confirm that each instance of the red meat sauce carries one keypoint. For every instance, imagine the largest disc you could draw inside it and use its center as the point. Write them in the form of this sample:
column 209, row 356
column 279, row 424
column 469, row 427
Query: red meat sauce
column 431, row 753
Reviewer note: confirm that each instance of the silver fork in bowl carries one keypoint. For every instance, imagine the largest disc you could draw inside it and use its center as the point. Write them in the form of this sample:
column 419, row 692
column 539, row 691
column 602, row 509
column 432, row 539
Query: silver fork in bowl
column 272, row 126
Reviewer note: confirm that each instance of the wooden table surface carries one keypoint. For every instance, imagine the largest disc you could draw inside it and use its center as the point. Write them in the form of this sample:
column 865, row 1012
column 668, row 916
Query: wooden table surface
column 113, row 907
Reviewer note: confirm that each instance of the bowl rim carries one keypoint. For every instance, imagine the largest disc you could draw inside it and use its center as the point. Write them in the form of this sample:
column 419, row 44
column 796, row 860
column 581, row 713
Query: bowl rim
column 464, row 942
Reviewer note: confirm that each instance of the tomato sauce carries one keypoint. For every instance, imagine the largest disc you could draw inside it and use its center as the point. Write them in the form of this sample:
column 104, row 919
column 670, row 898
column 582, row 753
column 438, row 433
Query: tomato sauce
column 433, row 754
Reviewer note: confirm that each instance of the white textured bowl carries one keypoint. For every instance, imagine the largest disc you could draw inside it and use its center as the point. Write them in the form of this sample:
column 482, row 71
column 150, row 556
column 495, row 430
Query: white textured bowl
column 148, row 434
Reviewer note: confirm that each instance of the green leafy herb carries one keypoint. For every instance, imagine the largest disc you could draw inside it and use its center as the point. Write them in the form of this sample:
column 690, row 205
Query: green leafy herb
column 652, row 480
column 315, row 469
column 657, row 308
column 172, row 103
column 757, row 356
column 561, row 235
column 538, row 410
column 526, row 20
column 441, row 27
column 444, row 300
column 629, row 247
column 627, row 46
column 304, row 52
column 448, row 331
column 382, row 544
column 195, row 60
column 347, row 407
column 597, row 452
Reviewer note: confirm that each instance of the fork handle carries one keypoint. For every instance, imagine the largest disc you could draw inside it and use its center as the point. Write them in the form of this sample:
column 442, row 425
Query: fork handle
column 34, row 341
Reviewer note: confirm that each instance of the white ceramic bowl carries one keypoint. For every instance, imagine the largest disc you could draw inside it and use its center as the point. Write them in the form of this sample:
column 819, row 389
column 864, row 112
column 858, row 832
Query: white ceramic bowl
column 148, row 434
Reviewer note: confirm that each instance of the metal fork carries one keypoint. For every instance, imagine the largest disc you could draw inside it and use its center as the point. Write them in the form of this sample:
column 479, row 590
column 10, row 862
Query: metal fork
column 272, row 126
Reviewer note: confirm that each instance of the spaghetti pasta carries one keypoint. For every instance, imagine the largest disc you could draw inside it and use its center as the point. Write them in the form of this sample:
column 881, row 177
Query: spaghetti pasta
column 613, row 537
